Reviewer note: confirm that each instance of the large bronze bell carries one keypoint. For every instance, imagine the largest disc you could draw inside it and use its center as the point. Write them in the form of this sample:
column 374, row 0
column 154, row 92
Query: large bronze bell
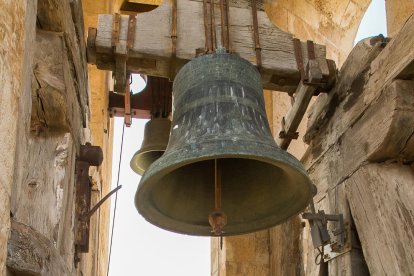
column 156, row 135
column 222, row 168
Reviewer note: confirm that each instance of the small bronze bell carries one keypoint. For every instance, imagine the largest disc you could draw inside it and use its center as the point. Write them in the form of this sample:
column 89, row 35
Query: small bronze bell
column 156, row 135
column 222, row 172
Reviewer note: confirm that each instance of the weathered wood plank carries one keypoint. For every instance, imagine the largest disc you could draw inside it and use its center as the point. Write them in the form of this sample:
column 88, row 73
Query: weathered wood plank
column 367, row 117
column 152, row 46
column 350, row 78
column 31, row 253
column 62, row 16
column 55, row 105
column 381, row 201
column 49, row 111
column 347, row 102
column 381, row 133
column 373, row 123
column 46, row 187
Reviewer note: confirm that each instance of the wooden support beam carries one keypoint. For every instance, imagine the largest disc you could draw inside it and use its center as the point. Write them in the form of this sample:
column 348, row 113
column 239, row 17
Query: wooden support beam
column 303, row 96
column 385, row 131
column 368, row 117
column 368, row 68
column 66, row 17
column 151, row 50
column 31, row 253
column 50, row 104
column 382, row 205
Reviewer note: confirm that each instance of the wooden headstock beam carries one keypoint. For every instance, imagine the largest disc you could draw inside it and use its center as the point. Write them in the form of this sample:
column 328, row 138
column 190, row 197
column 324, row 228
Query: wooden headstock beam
column 151, row 51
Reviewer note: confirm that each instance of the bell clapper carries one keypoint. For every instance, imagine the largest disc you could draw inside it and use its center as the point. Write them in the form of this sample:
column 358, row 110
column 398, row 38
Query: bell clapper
column 217, row 218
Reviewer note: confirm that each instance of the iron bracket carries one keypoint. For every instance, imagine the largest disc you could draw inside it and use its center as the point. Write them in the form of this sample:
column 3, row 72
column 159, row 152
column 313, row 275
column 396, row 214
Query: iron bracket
column 323, row 85
column 88, row 156
column 336, row 242
column 283, row 134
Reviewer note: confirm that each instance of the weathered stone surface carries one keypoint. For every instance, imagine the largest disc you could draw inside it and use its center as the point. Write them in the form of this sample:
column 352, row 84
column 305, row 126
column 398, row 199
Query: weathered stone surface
column 248, row 254
column 332, row 23
column 398, row 12
column 101, row 134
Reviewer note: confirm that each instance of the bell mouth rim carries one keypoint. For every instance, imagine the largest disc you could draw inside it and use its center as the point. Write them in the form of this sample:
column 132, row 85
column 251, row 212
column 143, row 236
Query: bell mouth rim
column 157, row 218
column 139, row 154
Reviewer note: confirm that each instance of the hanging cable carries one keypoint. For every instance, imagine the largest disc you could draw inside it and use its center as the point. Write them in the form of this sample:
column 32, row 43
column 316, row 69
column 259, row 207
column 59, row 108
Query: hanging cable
column 116, row 199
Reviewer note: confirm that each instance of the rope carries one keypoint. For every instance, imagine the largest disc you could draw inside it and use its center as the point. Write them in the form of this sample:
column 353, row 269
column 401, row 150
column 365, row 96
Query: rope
column 116, row 199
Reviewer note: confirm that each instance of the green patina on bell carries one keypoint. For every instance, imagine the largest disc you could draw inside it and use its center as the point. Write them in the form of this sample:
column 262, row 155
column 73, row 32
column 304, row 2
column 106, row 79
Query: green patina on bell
column 219, row 116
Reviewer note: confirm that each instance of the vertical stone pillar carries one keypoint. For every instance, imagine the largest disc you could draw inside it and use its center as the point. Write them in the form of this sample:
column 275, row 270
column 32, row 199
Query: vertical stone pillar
column 246, row 255
column 17, row 31
column 101, row 134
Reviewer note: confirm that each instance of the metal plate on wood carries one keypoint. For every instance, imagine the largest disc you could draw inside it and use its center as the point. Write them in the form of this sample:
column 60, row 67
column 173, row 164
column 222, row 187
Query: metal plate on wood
column 333, row 250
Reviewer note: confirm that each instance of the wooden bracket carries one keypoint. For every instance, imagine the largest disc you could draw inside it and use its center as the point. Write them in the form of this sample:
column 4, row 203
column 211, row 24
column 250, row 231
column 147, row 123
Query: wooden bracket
column 287, row 135
column 335, row 243
column 304, row 94
column 325, row 83
column 88, row 156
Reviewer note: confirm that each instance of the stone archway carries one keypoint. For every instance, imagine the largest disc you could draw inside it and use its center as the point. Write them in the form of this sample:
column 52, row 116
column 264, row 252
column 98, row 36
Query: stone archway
column 333, row 23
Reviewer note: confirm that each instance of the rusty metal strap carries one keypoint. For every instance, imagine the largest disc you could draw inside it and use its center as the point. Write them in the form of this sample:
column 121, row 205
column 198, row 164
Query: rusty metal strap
column 228, row 25
column 311, row 49
column 115, row 29
column 127, row 115
column 88, row 215
column 297, row 47
column 286, row 134
column 256, row 36
column 207, row 26
column 173, row 40
column 121, row 51
column 131, row 31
